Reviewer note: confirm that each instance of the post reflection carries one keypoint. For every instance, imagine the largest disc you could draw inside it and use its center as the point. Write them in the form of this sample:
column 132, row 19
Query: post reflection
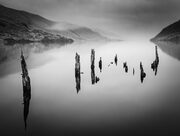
column 142, row 73
column 100, row 64
column 125, row 66
column 155, row 63
column 94, row 78
column 77, row 72
column 133, row 71
column 26, row 89
column 115, row 59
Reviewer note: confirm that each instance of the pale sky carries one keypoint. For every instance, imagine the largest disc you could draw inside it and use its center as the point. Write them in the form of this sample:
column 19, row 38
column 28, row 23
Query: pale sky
column 130, row 19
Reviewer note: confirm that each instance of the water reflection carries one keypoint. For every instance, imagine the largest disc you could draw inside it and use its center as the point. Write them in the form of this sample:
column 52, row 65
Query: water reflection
column 170, row 48
column 133, row 71
column 100, row 64
column 102, row 106
column 10, row 54
column 26, row 88
column 142, row 73
column 125, row 66
column 115, row 59
column 77, row 72
column 94, row 78
column 155, row 63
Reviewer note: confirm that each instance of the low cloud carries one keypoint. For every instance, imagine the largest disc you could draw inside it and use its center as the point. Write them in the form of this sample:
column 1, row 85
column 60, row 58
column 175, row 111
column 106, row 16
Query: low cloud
column 130, row 15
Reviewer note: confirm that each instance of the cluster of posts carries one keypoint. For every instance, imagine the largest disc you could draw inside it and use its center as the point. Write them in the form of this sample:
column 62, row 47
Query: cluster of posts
column 95, row 79
column 143, row 74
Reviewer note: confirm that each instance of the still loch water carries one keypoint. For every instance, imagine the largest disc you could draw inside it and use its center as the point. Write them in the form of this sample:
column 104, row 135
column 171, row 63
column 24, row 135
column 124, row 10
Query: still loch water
column 117, row 104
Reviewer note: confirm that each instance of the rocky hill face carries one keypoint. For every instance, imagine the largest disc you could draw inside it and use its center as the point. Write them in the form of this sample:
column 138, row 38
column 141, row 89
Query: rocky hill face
column 170, row 33
column 22, row 27
column 23, row 18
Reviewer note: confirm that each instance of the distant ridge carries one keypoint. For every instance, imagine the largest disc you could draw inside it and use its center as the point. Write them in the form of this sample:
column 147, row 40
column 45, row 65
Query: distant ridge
column 169, row 33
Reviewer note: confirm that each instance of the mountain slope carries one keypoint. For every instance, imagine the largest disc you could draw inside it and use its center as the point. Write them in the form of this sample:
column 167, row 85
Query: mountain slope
column 23, row 17
column 22, row 27
column 170, row 33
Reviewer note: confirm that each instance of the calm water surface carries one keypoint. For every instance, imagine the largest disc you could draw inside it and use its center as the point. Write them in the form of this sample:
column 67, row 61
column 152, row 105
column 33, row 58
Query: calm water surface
column 118, row 104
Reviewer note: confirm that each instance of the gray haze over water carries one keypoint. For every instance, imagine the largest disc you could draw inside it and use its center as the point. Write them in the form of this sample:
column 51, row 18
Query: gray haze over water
column 129, row 19
column 134, row 90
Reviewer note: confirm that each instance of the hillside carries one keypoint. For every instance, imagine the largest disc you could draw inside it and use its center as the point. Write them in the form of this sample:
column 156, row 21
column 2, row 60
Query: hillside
column 23, row 27
column 169, row 33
